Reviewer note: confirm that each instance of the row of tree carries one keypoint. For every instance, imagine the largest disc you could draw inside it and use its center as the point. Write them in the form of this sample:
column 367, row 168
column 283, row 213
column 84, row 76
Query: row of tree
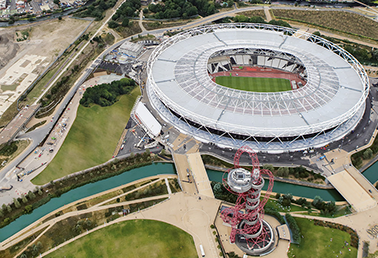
column 259, row 19
column 106, row 94
column 17, row 203
column 168, row 9
column 295, row 230
column 128, row 9
column 326, row 208
column 96, row 9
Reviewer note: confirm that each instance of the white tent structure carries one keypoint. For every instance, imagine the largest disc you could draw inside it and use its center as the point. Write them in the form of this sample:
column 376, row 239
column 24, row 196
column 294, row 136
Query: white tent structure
column 147, row 120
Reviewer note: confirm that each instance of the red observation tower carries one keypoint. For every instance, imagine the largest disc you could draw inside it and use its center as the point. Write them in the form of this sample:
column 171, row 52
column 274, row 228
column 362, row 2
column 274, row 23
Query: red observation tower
column 250, row 232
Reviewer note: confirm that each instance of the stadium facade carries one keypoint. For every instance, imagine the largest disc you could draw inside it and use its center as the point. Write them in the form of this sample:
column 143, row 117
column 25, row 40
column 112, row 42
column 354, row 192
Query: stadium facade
column 326, row 107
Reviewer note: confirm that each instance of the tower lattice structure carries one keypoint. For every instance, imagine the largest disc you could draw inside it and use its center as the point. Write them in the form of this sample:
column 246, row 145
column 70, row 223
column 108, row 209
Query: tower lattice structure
column 249, row 230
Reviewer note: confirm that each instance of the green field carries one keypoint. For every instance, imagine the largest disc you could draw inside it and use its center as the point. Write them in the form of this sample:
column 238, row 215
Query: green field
column 254, row 83
column 316, row 242
column 91, row 140
column 133, row 238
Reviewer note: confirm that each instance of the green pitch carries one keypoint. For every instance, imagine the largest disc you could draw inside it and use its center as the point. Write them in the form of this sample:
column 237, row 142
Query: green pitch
column 254, row 83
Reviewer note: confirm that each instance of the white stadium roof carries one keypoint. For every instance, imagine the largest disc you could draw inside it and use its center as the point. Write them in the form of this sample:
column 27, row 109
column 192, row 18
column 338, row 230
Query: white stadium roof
column 335, row 91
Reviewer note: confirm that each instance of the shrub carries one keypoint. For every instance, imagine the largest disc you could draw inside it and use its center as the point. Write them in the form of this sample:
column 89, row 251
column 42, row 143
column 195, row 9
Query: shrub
column 295, row 230
column 273, row 212
column 368, row 153
column 28, row 208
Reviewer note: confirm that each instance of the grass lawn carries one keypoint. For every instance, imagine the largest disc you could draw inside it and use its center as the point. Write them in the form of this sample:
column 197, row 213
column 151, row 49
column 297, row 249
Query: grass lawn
column 316, row 242
column 133, row 238
column 92, row 139
column 272, row 203
column 254, row 83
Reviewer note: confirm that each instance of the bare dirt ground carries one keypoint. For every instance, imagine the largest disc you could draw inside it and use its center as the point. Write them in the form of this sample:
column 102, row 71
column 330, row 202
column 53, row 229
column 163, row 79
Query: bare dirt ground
column 55, row 36
column 46, row 39
column 8, row 48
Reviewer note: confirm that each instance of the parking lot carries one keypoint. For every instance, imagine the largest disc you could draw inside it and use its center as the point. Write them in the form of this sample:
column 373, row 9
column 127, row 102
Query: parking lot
column 135, row 140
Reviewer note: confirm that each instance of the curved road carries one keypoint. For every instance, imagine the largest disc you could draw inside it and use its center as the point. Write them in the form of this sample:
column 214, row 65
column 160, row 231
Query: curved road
column 38, row 135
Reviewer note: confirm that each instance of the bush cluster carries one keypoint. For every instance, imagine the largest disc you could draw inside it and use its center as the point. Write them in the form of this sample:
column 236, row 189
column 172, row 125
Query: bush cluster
column 326, row 208
column 106, row 94
column 8, row 149
column 350, row 231
column 96, row 9
column 168, row 9
column 220, row 192
column 357, row 158
column 273, row 212
column 295, row 230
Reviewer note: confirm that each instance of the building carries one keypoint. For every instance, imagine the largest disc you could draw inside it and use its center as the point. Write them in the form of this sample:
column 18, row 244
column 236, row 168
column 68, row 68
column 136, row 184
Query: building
column 326, row 107
column 131, row 49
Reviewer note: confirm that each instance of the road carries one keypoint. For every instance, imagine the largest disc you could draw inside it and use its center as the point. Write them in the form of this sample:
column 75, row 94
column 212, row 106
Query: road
column 38, row 135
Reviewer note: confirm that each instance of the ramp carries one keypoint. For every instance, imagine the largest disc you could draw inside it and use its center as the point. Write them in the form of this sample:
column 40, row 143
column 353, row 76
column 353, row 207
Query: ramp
column 352, row 191
column 200, row 175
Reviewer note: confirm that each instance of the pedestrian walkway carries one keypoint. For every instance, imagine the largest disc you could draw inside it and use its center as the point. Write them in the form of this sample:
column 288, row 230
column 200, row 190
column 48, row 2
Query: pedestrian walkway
column 200, row 175
column 352, row 191
column 185, row 176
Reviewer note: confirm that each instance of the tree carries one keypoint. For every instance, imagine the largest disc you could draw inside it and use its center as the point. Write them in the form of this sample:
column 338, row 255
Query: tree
column 318, row 202
column 1, row 213
column 125, row 22
column 16, row 203
column 39, row 191
column 368, row 153
column 31, row 195
column 28, row 208
column 24, row 199
column 268, row 167
column 218, row 188
column 113, row 24
column 4, row 208
column 283, row 171
column 9, row 208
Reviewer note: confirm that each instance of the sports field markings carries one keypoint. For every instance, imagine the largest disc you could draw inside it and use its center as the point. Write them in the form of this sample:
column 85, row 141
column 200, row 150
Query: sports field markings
column 255, row 84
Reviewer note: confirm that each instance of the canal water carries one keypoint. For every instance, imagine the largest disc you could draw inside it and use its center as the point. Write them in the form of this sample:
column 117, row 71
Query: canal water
column 139, row 173
column 296, row 190
column 85, row 191
column 371, row 173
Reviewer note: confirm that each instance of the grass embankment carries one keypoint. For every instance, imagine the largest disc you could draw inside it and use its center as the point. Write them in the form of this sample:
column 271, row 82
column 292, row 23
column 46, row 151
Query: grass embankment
column 254, row 83
column 316, row 242
column 135, row 238
column 254, row 13
column 91, row 140
column 153, row 25
column 335, row 20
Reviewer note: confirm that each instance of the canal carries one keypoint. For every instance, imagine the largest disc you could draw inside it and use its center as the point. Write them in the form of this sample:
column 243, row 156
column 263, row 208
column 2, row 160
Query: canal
column 136, row 174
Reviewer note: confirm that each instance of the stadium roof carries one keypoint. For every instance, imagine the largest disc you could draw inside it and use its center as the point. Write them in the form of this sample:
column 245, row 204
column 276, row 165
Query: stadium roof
column 336, row 83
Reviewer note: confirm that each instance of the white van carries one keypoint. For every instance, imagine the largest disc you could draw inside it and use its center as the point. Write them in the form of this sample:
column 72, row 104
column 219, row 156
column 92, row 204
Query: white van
column 202, row 251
